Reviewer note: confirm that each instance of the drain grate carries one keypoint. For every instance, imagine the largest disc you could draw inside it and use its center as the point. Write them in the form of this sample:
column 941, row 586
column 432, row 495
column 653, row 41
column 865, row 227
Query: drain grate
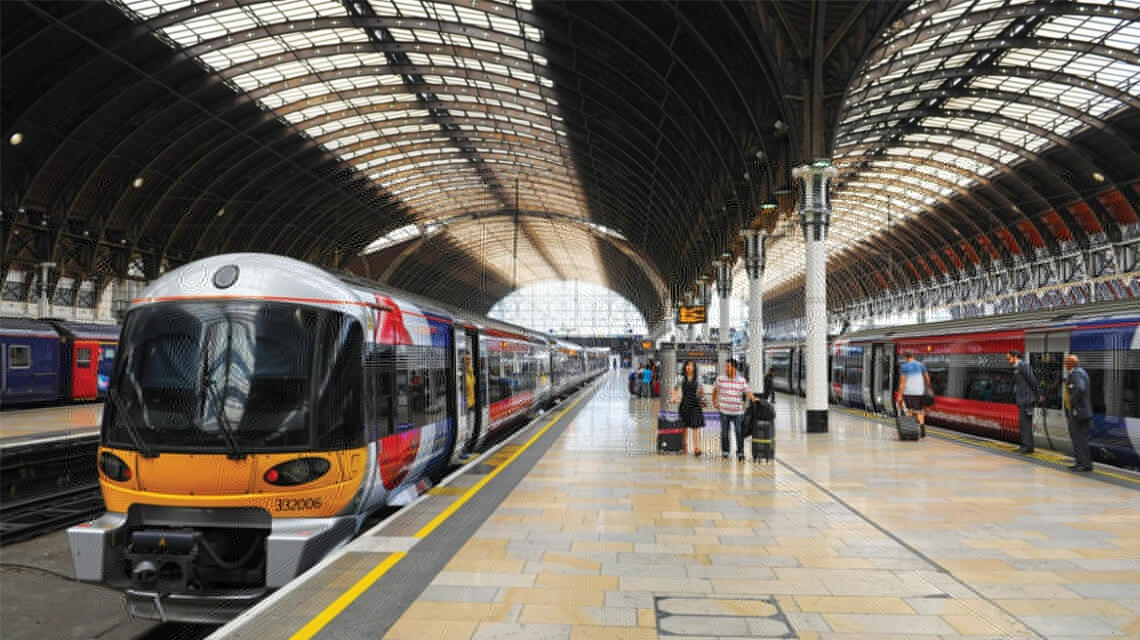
column 720, row 617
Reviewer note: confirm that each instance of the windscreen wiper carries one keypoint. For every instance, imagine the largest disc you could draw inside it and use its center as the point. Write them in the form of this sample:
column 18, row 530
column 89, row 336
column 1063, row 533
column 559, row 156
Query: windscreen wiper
column 219, row 400
column 132, row 431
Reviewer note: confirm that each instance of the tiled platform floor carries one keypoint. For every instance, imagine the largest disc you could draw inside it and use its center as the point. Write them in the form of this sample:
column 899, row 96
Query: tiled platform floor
column 71, row 419
column 850, row 534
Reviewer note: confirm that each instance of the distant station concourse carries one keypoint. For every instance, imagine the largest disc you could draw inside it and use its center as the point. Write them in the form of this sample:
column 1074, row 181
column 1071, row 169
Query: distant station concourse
column 577, row 528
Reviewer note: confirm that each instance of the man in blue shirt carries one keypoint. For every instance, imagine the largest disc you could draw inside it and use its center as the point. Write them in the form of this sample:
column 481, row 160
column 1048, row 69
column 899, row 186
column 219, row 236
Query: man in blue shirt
column 913, row 380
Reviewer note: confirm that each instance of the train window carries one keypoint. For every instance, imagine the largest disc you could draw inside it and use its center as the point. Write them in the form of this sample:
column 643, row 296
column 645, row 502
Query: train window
column 1129, row 393
column 988, row 385
column 337, row 424
column 1097, row 388
column 939, row 370
column 19, row 356
column 1047, row 367
column 379, row 383
column 83, row 358
column 107, row 352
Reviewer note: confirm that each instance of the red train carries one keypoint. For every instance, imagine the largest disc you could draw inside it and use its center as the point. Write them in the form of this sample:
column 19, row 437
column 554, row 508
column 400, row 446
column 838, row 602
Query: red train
column 54, row 360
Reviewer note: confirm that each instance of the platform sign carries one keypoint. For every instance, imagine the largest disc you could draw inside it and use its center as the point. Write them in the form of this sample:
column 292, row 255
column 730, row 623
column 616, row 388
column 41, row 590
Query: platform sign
column 691, row 315
column 647, row 345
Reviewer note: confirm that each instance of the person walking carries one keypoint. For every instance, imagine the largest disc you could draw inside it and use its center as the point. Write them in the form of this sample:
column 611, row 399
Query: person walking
column 1025, row 395
column 692, row 418
column 913, row 380
column 728, row 396
column 769, row 390
column 1078, row 409
column 646, row 381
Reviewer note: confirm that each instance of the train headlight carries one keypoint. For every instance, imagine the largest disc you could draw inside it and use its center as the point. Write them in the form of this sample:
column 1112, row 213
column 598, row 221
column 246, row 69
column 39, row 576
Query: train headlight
column 113, row 467
column 297, row 471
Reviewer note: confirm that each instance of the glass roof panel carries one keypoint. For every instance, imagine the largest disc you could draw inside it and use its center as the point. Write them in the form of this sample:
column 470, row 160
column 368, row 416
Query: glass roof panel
column 392, row 136
column 952, row 158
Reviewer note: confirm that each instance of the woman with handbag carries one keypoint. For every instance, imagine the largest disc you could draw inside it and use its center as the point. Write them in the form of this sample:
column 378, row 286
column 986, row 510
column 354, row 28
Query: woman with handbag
column 692, row 418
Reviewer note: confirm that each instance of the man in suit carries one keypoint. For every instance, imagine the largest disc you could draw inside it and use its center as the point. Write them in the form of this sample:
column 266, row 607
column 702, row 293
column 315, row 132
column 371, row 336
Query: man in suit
column 1025, row 393
column 1078, row 410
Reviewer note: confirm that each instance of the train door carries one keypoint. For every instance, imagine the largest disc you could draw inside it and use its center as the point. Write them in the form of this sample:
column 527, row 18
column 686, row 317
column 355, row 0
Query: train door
column 83, row 370
column 1046, row 356
column 474, row 388
column 456, row 398
column 881, row 379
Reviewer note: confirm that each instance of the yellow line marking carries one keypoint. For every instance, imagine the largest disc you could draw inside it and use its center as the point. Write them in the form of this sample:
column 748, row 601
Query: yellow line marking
column 1051, row 457
column 333, row 610
column 459, row 502
column 346, row 598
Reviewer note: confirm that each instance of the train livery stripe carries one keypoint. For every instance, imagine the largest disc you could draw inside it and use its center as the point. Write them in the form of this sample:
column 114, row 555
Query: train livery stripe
column 340, row 604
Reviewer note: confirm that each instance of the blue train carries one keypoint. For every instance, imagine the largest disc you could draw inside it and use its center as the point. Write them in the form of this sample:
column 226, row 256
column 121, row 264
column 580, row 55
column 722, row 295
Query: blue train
column 54, row 360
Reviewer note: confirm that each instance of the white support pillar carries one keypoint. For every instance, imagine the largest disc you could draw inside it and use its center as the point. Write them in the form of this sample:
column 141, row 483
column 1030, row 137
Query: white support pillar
column 754, row 242
column 815, row 216
column 724, row 290
column 704, row 297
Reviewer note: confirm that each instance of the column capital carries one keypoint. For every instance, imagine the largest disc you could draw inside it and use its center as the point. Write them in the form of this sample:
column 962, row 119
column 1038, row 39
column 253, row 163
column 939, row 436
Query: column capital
column 724, row 274
column 815, row 198
column 755, row 246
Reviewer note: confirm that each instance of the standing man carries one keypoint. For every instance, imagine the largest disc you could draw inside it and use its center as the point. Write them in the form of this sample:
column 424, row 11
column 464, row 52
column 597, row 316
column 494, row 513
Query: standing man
column 913, row 380
column 1078, row 409
column 646, row 381
column 728, row 396
column 1025, row 393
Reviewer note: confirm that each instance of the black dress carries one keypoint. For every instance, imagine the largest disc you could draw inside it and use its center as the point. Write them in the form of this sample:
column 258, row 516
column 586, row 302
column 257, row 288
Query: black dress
column 690, row 408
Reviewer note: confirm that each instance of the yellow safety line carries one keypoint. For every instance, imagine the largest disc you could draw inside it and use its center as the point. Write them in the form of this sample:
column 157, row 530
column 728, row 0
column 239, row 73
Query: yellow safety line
column 1054, row 458
column 333, row 610
column 459, row 502
column 346, row 598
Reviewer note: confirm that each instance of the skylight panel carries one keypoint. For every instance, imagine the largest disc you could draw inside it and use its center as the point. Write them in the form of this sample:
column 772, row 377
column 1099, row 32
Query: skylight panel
column 403, row 234
column 336, row 143
column 152, row 8
column 405, row 8
column 927, row 65
column 472, row 17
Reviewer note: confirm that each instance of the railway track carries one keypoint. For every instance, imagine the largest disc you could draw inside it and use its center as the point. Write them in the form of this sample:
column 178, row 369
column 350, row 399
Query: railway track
column 47, row 485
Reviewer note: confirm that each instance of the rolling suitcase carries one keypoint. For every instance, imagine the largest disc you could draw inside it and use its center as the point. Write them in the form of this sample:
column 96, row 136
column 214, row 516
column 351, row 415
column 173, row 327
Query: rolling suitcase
column 670, row 433
column 907, row 426
column 763, row 441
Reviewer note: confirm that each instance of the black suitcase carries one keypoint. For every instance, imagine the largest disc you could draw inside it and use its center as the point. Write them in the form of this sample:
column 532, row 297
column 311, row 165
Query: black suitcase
column 670, row 435
column 908, row 427
column 763, row 441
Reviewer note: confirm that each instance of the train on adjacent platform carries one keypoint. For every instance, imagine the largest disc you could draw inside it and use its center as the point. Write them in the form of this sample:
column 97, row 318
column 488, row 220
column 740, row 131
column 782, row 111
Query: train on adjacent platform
column 260, row 409
column 973, row 382
column 51, row 361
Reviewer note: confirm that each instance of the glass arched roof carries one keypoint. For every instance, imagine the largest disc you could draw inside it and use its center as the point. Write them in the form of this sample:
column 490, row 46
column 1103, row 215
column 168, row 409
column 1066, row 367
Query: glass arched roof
column 446, row 106
column 957, row 92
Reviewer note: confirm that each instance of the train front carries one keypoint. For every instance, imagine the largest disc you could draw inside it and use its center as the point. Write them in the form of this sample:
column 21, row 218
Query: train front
column 232, row 452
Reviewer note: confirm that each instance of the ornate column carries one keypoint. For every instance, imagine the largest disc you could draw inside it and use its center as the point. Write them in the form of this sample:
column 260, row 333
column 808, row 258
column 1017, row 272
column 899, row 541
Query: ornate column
column 704, row 297
column 724, row 291
column 815, row 216
column 754, row 245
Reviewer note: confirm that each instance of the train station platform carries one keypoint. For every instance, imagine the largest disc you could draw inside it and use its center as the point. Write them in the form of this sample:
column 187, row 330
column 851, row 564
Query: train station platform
column 576, row 529
column 27, row 426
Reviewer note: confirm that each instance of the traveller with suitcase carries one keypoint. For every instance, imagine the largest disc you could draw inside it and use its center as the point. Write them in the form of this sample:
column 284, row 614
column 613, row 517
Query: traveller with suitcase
column 914, row 383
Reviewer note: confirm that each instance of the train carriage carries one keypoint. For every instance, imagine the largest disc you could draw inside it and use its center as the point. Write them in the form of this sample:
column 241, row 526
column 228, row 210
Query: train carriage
column 261, row 408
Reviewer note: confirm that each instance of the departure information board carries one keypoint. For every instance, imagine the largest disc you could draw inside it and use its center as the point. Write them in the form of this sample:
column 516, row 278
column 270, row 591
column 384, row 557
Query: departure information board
column 690, row 315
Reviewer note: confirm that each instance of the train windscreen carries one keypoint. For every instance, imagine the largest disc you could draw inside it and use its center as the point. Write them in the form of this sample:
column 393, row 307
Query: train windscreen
column 236, row 377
